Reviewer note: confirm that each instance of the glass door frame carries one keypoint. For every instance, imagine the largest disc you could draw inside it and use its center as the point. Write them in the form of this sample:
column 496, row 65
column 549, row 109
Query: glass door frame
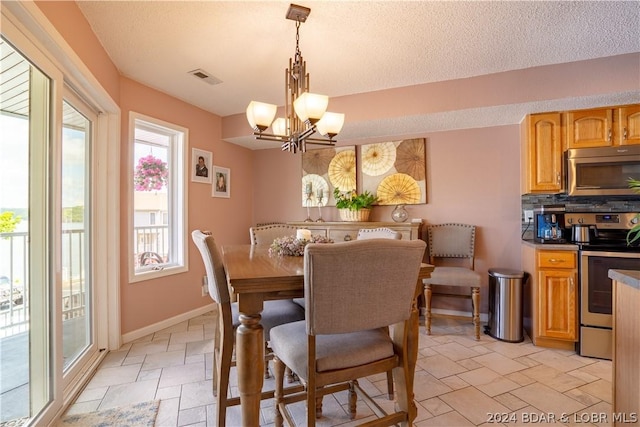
column 26, row 28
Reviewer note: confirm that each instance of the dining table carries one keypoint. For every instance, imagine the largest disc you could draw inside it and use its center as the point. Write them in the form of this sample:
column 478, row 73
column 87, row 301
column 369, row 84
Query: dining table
column 254, row 276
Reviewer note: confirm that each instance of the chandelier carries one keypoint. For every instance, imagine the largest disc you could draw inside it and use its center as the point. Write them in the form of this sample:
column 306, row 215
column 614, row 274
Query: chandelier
column 305, row 112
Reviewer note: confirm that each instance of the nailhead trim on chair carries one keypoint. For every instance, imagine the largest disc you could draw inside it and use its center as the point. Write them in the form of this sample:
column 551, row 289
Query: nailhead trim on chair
column 473, row 239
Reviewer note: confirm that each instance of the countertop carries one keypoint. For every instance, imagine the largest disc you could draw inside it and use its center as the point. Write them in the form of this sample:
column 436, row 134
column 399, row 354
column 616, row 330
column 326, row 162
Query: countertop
column 628, row 277
column 550, row 246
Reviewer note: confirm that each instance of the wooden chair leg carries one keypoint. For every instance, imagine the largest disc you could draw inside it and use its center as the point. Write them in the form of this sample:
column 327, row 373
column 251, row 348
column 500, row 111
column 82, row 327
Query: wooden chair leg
column 267, row 350
column 278, row 368
column 353, row 397
column 427, row 308
column 475, row 300
column 390, row 384
column 291, row 377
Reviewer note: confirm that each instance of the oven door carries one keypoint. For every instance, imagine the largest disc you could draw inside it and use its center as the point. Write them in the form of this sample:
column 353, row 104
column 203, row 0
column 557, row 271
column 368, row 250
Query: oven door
column 595, row 286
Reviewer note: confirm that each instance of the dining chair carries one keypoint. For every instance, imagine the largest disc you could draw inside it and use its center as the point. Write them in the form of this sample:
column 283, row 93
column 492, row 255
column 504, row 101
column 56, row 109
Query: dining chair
column 452, row 242
column 265, row 234
column 381, row 233
column 275, row 313
column 378, row 233
column 354, row 290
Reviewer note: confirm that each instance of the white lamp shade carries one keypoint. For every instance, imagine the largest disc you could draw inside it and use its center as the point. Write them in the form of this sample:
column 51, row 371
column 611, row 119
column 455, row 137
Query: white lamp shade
column 260, row 114
column 280, row 126
column 330, row 124
column 310, row 106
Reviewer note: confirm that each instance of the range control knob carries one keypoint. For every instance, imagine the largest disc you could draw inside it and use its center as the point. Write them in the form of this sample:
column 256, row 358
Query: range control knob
column 570, row 220
column 580, row 220
column 634, row 220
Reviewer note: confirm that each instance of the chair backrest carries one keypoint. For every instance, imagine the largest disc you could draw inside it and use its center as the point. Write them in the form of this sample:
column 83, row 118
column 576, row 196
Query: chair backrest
column 360, row 284
column 265, row 234
column 378, row 233
column 452, row 240
column 216, row 277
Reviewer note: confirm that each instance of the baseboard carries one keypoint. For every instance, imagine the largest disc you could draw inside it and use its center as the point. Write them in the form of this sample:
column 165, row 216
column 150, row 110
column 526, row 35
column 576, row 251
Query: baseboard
column 484, row 317
column 139, row 333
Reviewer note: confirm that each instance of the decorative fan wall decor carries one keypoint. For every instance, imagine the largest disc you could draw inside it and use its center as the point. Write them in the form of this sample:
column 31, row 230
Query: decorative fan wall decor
column 395, row 171
column 335, row 166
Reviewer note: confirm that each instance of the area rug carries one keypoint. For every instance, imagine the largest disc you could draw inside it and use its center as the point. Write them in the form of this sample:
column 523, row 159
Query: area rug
column 137, row 415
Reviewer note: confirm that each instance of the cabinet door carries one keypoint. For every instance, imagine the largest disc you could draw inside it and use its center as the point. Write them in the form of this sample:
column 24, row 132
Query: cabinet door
column 544, row 149
column 557, row 304
column 589, row 128
column 629, row 125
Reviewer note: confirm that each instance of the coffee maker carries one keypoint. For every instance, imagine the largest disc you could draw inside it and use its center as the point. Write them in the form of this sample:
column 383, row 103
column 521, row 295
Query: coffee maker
column 549, row 223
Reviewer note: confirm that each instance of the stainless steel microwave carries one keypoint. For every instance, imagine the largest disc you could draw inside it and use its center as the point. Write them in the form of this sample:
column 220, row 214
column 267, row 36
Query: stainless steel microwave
column 602, row 171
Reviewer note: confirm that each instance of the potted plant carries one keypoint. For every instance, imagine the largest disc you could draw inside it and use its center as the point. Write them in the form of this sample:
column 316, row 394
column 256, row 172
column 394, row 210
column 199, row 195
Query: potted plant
column 353, row 206
column 634, row 233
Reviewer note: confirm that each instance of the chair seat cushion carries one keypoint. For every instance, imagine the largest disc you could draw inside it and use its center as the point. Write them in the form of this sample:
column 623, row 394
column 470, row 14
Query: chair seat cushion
column 275, row 313
column 300, row 302
column 454, row 276
column 289, row 343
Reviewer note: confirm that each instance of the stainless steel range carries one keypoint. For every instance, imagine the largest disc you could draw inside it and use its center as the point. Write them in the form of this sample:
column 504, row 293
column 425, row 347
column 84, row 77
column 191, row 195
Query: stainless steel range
column 604, row 249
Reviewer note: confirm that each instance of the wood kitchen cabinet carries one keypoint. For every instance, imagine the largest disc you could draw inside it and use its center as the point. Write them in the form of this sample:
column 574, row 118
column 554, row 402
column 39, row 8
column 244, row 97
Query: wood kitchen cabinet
column 542, row 163
column 603, row 127
column 341, row 231
column 628, row 129
column 551, row 297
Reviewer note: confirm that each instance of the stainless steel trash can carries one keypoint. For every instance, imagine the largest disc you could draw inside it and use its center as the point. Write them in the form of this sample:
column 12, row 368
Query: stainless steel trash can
column 505, row 304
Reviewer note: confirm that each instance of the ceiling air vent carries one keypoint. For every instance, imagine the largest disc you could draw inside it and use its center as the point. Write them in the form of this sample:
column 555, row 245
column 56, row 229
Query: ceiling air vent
column 205, row 77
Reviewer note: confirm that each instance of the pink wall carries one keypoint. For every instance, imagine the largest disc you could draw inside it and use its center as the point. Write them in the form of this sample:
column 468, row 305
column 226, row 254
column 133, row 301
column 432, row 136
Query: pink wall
column 229, row 219
column 473, row 177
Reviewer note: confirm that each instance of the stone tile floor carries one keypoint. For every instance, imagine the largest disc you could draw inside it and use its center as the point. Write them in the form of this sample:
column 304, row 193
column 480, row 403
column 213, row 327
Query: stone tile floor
column 458, row 381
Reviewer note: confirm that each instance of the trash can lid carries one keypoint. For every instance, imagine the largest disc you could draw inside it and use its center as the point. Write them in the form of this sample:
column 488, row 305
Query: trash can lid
column 506, row 273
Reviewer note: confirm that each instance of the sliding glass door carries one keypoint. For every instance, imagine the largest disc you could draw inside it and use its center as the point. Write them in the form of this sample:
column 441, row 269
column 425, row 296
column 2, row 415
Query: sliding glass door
column 48, row 324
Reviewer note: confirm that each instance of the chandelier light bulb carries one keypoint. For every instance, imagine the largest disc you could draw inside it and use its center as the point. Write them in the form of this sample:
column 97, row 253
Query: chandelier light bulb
column 260, row 115
column 330, row 124
column 310, row 106
column 280, row 126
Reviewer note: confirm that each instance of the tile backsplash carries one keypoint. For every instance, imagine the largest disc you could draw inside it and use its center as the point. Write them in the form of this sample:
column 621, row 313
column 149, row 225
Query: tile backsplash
column 577, row 204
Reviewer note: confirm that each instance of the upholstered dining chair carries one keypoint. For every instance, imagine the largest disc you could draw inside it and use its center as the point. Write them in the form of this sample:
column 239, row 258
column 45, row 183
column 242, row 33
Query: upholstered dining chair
column 446, row 242
column 265, row 234
column 274, row 313
column 352, row 298
column 381, row 233
column 378, row 233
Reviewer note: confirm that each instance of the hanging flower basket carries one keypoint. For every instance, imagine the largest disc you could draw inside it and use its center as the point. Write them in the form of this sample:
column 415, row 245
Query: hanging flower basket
column 151, row 174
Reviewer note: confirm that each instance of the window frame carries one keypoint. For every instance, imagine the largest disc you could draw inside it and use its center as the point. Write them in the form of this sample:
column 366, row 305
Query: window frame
column 177, row 197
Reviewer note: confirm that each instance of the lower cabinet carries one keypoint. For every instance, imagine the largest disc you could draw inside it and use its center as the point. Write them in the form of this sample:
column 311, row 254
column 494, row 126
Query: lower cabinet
column 342, row 231
column 551, row 297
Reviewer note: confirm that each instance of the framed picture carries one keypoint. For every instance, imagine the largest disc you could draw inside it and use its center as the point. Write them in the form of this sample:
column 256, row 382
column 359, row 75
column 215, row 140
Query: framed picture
column 395, row 171
column 221, row 182
column 325, row 169
column 201, row 166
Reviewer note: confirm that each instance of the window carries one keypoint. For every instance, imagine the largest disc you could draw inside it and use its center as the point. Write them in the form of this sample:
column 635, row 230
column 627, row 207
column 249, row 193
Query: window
column 158, row 191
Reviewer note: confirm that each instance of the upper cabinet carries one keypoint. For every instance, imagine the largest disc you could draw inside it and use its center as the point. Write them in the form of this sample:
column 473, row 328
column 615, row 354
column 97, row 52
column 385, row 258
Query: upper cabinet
column 546, row 136
column 589, row 128
column 628, row 130
column 542, row 165
column 603, row 127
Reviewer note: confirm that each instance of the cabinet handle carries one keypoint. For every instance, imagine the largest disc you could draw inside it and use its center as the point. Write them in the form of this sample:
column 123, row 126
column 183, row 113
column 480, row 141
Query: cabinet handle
column 609, row 135
column 558, row 178
column 555, row 260
column 347, row 238
column 572, row 284
column 624, row 134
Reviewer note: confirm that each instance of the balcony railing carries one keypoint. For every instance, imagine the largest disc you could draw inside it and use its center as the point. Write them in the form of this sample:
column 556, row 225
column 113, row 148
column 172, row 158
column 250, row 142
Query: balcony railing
column 14, row 273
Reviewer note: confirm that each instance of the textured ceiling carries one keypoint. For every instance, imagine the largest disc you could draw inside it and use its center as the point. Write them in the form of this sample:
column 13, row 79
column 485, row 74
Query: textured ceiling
column 350, row 46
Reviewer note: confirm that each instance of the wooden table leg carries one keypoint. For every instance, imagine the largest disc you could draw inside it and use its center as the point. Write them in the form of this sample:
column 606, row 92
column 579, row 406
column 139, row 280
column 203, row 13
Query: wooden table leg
column 427, row 308
column 250, row 364
column 475, row 299
column 404, row 382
